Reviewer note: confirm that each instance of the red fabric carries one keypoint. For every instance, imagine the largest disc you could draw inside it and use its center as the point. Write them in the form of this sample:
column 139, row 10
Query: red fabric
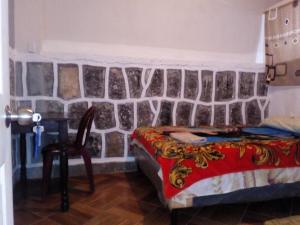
column 237, row 157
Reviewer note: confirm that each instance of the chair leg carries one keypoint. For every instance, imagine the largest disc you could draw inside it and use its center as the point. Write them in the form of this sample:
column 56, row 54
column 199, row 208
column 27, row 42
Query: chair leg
column 63, row 160
column 47, row 168
column 89, row 169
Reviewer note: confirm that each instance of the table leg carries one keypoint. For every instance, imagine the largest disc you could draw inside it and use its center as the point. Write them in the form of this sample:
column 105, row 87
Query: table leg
column 64, row 180
column 23, row 174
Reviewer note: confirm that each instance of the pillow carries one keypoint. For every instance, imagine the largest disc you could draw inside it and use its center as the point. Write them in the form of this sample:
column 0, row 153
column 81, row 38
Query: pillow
column 283, row 122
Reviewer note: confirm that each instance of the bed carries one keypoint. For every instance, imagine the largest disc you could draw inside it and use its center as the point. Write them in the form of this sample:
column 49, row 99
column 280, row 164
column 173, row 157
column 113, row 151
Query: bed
column 224, row 166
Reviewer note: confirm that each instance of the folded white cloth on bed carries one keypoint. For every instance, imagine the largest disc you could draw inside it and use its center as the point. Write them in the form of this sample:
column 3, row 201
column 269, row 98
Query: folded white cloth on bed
column 283, row 122
column 189, row 138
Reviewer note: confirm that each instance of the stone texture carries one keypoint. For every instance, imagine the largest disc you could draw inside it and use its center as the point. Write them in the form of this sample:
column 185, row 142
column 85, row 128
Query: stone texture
column 104, row 116
column 93, row 81
column 126, row 116
column 40, row 78
column 235, row 114
column 116, row 86
column 173, row 83
column 12, row 78
column 19, row 80
column 114, row 144
column 155, row 103
column 144, row 114
column 266, row 112
column 156, row 87
column 246, row 85
column 225, row 85
column 203, row 115
column 220, row 115
column 24, row 104
column 147, row 75
column 191, row 84
column 129, row 152
column 184, row 114
column 252, row 111
column 207, row 85
column 68, row 81
column 49, row 106
column 165, row 115
column 94, row 144
column 262, row 101
column 262, row 88
column 110, row 167
column 134, row 76
column 13, row 105
column 75, row 112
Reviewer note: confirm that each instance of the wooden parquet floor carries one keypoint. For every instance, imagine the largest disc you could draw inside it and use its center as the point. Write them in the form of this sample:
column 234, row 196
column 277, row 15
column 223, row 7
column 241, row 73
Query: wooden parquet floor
column 130, row 199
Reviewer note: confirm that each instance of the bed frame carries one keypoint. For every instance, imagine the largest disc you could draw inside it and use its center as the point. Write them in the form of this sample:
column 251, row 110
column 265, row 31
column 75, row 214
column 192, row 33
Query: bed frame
column 147, row 165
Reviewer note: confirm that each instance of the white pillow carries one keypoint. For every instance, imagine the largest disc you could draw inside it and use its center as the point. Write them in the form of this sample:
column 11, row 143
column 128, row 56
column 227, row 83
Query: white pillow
column 283, row 122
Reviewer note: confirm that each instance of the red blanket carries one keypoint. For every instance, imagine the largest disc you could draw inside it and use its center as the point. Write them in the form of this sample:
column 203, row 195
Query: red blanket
column 184, row 164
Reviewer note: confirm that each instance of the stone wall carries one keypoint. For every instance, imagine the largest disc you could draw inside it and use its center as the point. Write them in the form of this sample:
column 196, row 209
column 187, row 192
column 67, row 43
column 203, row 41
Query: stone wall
column 127, row 96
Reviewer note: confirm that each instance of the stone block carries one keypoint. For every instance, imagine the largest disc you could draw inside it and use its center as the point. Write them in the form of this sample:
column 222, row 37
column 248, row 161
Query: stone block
column 94, row 144
column 266, row 112
column 105, row 115
column 49, row 106
column 126, row 116
column 220, row 115
column 165, row 115
column 13, row 105
column 207, row 85
column 203, row 115
column 114, row 144
column 19, row 80
column 134, row 76
column 40, row 78
column 191, row 84
column 235, row 114
column 116, row 86
column 24, row 104
column 262, row 88
column 68, row 81
column 144, row 114
column 93, row 81
column 129, row 152
column 253, row 114
column 76, row 111
column 225, row 85
column 173, row 83
column 12, row 78
column 156, row 87
column 184, row 114
column 155, row 103
column 109, row 167
column 147, row 75
column 246, row 85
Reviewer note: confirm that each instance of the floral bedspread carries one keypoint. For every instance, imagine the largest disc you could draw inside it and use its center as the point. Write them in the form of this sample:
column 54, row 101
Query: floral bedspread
column 184, row 164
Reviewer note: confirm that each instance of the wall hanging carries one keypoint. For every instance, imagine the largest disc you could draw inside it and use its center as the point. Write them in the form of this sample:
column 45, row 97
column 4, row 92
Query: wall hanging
column 282, row 42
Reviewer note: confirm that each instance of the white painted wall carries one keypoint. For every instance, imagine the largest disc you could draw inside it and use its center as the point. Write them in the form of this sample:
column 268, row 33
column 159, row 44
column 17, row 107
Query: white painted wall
column 284, row 101
column 192, row 30
column 216, row 29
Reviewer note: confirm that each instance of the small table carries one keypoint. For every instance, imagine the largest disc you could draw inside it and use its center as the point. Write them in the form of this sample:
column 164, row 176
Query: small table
column 52, row 122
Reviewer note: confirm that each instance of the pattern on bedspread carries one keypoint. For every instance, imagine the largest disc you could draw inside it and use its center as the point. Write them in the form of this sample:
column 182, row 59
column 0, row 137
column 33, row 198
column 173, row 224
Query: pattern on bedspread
column 183, row 164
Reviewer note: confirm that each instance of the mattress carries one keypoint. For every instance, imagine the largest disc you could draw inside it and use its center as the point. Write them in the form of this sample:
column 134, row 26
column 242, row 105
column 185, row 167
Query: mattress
column 278, row 164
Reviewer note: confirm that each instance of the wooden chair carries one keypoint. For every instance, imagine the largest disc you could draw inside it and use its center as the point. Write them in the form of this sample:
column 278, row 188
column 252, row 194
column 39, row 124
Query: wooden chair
column 76, row 148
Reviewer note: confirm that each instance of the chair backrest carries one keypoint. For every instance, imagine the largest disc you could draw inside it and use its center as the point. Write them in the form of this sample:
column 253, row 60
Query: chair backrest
column 84, row 128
